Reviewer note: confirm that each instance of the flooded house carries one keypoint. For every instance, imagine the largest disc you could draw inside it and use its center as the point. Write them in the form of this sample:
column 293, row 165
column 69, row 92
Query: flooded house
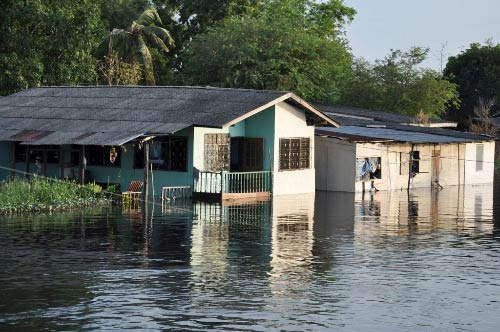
column 387, row 153
column 227, row 143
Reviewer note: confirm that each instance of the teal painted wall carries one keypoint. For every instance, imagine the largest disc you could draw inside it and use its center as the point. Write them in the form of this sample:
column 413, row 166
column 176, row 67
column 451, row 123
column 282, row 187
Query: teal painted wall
column 127, row 173
column 122, row 175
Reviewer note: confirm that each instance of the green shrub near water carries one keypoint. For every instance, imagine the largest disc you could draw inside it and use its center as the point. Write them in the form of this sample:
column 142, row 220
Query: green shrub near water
column 38, row 194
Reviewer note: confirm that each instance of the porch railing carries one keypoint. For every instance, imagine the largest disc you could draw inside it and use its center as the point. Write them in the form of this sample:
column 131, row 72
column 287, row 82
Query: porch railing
column 233, row 182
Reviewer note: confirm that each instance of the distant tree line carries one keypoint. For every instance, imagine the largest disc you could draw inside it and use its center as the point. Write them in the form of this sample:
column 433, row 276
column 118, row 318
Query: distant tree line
column 296, row 45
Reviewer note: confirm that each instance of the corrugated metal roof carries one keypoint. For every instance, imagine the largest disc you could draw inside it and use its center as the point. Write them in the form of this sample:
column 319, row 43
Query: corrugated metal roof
column 392, row 134
column 350, row 137
column 375, row 115
column 126, row 111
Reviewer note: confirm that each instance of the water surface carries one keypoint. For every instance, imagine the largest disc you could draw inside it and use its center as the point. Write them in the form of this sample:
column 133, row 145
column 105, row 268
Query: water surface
column 384, row 261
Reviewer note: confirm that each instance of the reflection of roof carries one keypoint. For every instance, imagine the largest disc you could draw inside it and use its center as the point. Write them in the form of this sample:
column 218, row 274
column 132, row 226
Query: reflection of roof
column 112, row 115
column 351, row 116
column 377, row 134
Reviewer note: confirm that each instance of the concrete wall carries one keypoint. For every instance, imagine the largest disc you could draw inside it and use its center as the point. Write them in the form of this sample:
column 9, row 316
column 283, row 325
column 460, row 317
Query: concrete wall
column 334, row 160
column 486, row 174
column 291, row 122
column 450, row 170
column 336, row 165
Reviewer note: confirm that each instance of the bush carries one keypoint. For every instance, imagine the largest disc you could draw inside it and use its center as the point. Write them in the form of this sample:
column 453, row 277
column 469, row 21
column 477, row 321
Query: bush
column 21, row 195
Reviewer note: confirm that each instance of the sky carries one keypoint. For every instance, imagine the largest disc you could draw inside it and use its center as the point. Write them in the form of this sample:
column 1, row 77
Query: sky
column 451, row 25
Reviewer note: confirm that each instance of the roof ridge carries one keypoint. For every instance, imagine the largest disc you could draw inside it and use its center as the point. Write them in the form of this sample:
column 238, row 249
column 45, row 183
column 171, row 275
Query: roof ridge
column 159, row 87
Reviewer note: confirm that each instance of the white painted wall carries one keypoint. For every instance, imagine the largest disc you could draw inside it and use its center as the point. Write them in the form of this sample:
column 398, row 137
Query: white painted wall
column 486, row 175
column 290, row 122
column 333, row 160
column 199, row 144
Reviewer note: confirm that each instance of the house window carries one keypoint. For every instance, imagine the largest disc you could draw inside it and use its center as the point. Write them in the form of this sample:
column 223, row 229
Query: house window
column 368, row 168
column 247, row 154
column 479, row 157
column 165, row 154
column 100, row 156
column 216, row 152
column 294, row 153
column 407, row 158
column 47, row 153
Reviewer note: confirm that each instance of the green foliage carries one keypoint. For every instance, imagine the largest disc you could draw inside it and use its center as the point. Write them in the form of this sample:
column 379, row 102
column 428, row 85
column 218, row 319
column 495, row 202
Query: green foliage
column 47, row 42
column 47, row 195
column 287, row 45
column 135, row 41
column 187, row 18
column 476, row 71
column 398, row 84
column 119, row 14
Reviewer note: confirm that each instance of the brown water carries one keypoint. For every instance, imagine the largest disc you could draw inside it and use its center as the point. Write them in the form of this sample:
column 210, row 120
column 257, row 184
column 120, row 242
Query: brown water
column 381, row 262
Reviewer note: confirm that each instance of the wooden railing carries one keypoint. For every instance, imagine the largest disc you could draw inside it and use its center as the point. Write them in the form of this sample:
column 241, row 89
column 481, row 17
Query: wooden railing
column 233, row 182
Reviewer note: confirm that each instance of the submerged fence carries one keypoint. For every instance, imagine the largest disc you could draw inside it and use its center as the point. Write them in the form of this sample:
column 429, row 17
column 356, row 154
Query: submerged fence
column 233, row 182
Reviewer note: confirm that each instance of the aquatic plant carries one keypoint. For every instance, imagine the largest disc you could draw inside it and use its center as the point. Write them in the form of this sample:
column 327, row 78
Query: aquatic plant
column 21, row 195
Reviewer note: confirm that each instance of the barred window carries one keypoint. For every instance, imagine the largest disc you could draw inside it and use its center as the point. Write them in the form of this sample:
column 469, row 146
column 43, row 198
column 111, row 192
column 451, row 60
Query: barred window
column 48, row 153
column 165, row 154
column 99, row 156
column 216, row 152
column 295, row 153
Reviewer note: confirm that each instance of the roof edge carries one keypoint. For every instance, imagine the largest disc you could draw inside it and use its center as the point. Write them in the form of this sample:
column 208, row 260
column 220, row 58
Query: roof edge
column 299, row 101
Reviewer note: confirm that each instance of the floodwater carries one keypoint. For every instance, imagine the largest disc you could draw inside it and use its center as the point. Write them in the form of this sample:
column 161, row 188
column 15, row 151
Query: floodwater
column 428, row 261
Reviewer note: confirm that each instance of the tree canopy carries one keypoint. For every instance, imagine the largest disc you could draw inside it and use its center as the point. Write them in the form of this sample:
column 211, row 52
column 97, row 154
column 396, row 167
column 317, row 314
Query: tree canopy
column 135, row 41
column 476, row 71
column 398, row 84
column 292, row 45
column 47, row 42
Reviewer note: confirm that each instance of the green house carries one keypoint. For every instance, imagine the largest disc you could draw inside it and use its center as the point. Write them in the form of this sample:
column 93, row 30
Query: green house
column 227, row 142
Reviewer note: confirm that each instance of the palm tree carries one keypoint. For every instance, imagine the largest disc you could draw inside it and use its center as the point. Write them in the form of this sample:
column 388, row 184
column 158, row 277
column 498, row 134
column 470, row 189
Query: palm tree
column 135, row 41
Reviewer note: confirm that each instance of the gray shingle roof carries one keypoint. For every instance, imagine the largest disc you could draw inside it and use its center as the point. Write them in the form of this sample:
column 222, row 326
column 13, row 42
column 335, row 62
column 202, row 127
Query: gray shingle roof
column 117, row 114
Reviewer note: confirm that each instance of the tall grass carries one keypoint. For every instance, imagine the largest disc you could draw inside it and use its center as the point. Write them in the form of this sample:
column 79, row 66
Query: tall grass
column 38, row 194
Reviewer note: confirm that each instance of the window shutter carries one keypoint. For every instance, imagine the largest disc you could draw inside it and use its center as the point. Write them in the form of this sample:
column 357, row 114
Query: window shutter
column 284, row 153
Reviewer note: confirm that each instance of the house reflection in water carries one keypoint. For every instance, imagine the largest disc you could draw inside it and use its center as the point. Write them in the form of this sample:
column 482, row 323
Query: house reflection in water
column 226, row 239
column 456, row 208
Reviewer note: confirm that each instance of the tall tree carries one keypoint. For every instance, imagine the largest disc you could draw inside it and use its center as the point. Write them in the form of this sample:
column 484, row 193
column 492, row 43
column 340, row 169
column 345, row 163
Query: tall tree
column 136, row 40
column 292, row 45
column 476, row 71
column 398, row 84
column 119, row 14
column 47, row 42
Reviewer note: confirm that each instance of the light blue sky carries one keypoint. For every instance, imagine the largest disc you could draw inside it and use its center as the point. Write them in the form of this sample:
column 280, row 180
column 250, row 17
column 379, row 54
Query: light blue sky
column 381, row 25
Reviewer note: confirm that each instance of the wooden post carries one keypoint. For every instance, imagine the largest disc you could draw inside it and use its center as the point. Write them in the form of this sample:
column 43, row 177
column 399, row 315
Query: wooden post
column 146, row 173
column 13, row 160
column 27, row 162
column 152, row 180
column 81, row 166
column 411, row 166
column 61, row 162
column 44, row 165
